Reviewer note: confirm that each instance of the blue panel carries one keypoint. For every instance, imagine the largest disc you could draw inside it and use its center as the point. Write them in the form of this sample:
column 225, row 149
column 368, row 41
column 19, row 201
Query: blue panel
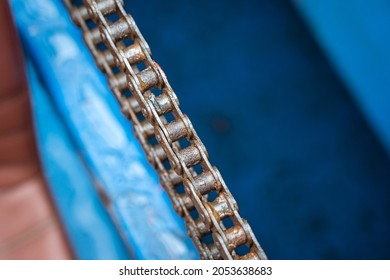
column 136, row 201
column 88, row 226
column 356, row 37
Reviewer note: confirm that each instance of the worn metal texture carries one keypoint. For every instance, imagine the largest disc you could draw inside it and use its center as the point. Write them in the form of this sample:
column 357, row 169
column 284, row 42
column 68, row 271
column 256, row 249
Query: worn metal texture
column 133, row 197
column 146, row 98
column 277, row 120
column 317, row 179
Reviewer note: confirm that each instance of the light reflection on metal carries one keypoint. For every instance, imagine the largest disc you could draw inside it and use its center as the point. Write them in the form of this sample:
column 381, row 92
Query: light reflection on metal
column 180, row 158
column 128, row 185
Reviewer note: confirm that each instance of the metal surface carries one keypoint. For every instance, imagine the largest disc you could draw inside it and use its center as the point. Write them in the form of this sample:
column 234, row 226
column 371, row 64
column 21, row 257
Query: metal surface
column 129, row 188
column 92, row 234
column 147, row 99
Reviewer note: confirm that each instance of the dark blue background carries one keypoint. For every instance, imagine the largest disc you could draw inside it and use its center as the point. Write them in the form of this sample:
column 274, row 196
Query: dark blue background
column 304, row 166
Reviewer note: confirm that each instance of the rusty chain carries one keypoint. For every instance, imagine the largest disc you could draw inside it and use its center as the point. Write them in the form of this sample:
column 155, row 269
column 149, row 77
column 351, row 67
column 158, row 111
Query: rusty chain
column 195, row 187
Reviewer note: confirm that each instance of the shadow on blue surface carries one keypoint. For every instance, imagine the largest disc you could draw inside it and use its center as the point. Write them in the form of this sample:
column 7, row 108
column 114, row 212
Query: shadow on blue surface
column 304, row 166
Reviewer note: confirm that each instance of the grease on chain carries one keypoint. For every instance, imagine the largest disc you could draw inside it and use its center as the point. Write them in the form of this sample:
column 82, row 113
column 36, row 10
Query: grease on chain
column 211, row 214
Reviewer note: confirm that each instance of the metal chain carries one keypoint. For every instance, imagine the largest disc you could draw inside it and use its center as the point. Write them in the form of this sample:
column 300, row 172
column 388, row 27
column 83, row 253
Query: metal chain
column 195, row 187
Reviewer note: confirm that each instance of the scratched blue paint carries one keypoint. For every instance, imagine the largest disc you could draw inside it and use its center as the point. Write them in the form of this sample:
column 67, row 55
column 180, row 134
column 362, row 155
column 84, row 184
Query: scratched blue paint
column 88, row 227
column 137, row 203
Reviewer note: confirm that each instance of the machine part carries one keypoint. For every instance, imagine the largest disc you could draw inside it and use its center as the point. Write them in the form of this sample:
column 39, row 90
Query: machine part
column 180, row 158
column 128, row 185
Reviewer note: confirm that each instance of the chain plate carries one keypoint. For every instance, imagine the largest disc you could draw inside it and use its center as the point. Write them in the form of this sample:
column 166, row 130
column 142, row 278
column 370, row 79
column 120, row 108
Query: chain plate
column 166, row 134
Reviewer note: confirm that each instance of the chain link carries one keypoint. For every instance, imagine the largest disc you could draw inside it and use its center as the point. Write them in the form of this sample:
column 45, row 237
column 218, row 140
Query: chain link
column 195, row 187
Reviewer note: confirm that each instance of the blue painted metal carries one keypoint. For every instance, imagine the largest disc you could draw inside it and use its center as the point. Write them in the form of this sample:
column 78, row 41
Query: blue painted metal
column 89, row 228
column 355, row 35
column 137, row 203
